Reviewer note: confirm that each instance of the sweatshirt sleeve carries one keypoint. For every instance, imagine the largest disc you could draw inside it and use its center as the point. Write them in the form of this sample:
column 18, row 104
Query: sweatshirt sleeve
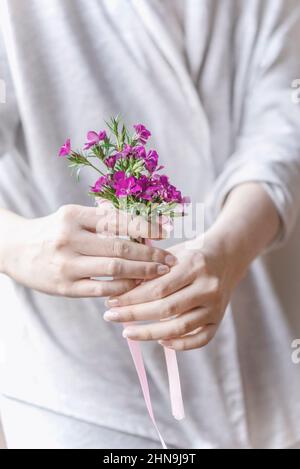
column 267, row 147
column 9, row 117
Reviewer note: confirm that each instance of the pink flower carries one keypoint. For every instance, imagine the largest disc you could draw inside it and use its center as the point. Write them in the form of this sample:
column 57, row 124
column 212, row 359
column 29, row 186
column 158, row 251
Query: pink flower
column 125, row 185
column 150, row 158
column 93, row 138
column 160, row 187
column 127, row 151
column 65, row 150
column 111, row 161
column 151, row 161
column 140, row 152
column 98, row 186
column 142, row 133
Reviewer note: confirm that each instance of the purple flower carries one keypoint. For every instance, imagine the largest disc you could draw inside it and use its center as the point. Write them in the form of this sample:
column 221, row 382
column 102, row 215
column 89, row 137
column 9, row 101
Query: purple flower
column 125, row 185
column 159, row 187
column 150, row 158
column 142, row 133
column 127, row 151
column 65, row 149
column 151, row 161
column 93, row 138
column 151, row 187
column 137, row 152
column 140, row 152
column 173, row 195
column 163, row 179
column 98, row 186
column 169, row 193
column 111, row 161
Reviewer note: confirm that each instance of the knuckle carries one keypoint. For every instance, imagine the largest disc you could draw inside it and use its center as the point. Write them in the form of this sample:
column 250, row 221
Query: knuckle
column 215, row 289
column 121, row 248
column 181, row 345
column 63, row 289
column 158, row 291
column 207, row 336
column 117, row 248
column 173, row 309
column 99, row 290
column 63, row 268
column 150, row 270
column 130, row 316
column 147, row 334
column 169, row 310
column 124, row 289
column 63, row 232
column 67, row 212
column 182, row 328
column 197, row 260
column 62, row 238
column 114, row 267
column 125, row 249
column 101, row 226
column 214, row 315
column 156, row 255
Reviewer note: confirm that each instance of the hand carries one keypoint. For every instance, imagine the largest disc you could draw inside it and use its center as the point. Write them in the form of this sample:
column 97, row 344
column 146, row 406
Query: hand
column 186, row 305
column 61, row 254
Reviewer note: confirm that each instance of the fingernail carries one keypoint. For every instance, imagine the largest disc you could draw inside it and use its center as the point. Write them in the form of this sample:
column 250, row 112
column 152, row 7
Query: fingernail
column 110, row 315
column 128, row 333
column 112, row 302
column 170, row 260
column 162, row 269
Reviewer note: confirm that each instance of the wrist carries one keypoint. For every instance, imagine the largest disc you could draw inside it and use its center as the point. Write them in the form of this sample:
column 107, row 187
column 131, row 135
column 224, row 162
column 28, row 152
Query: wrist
column 230, row 251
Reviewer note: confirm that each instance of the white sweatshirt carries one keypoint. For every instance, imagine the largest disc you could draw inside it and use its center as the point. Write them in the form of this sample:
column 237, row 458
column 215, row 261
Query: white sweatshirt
column 212, row 80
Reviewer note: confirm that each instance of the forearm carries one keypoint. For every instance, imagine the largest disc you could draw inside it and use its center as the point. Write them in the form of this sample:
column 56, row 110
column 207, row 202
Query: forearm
column 248, row 223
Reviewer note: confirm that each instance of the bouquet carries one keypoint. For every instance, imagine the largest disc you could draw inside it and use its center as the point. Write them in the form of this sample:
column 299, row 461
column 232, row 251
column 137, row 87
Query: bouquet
column 129, row 173
column 129, row 177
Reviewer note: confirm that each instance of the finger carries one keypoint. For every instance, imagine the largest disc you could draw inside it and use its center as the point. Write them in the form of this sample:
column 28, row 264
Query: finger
column 86, row 267
column 122, row 223
column 192, row 341
column 184, row 300
column 90, row 244
column 88, row 288
column 155, row 289
column 172, row 328
column 88, row 217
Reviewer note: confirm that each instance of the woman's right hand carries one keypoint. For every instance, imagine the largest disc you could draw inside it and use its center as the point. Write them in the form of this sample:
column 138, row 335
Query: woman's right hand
column 62, row 254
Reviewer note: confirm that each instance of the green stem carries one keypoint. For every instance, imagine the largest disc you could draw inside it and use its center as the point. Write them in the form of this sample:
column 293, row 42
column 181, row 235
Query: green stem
column 90, row 164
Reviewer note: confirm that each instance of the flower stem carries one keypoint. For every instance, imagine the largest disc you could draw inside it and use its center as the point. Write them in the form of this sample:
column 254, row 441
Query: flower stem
column 92, row 166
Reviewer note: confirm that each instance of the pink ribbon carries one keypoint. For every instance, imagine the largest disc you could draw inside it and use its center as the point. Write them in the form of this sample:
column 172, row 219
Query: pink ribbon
column 137, row 357
column 174, row 383
column 173, row 377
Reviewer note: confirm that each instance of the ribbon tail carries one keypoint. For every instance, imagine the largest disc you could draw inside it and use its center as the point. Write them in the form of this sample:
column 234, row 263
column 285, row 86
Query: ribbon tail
column 137, row 357
column 174, row 378
column 174, row 384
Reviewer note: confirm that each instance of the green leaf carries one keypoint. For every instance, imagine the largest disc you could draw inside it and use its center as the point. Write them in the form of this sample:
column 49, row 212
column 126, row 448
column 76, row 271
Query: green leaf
column 98, row 152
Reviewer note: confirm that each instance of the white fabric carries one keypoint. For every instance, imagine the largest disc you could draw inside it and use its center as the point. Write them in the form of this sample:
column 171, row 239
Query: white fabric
column 214, row 87
column 30, row 427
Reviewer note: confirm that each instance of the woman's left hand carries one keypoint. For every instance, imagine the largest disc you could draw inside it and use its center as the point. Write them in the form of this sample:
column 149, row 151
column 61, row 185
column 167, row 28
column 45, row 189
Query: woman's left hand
column 186, row 305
